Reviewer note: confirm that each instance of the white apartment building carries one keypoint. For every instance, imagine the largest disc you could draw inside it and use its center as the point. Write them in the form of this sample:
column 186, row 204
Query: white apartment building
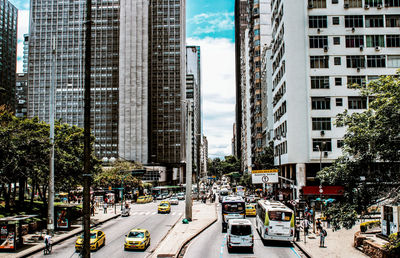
column 320, row 47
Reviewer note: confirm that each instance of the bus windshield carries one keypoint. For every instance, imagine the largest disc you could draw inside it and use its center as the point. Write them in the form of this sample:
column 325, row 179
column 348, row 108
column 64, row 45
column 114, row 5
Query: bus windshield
column 280, row 215
column 232, row 207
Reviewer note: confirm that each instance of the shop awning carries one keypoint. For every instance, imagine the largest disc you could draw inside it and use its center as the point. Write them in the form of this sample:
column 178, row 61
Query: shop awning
column 326, row 190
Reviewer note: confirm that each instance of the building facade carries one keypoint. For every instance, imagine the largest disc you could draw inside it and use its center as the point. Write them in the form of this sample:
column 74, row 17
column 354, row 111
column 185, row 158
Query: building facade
column 21, row 90
column 342, row 42
column 8, row 53
column 204, row 157
column 25, row 54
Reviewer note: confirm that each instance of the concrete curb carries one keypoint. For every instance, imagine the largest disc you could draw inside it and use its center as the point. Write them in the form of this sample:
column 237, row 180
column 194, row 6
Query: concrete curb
column 302, row 249
column 198, row 233
column 39, row 248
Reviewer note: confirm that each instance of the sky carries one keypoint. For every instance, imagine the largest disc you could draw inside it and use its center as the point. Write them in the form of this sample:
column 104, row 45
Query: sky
column 210, row 25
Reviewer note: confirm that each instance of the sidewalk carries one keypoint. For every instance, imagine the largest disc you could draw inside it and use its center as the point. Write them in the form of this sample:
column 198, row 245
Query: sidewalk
column 337, row 244
column 203, row 216
column 33, row 245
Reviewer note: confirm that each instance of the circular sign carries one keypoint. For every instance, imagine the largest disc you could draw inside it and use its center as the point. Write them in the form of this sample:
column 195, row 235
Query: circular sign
column 321, row 191
column 265, row 179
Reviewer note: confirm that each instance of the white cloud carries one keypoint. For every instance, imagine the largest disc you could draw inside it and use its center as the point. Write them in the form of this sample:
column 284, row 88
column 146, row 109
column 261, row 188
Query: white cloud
column 212, row 22
column 218, row 92
column 23, row 28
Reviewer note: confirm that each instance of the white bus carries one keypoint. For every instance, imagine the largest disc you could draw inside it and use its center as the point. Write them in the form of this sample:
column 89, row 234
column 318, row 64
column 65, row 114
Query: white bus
column 275, row 221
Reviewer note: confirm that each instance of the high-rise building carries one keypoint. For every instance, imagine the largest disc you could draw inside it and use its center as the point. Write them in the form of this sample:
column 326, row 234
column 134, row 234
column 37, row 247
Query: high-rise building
column 25, row 54
column 63, row 22
column 241, row 23
column 259, row 40
column 167, row 81
column 323, row 48
column 21, row 90
column 193, row 94
column 204, row 157
column 8, row 52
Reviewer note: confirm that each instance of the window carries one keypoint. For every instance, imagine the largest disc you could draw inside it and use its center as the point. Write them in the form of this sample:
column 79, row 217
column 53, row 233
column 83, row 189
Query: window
column 335, row 20
column 317, row 3
column 318, row 41
column 393, row 40
column 319, row 82
column 357, row 102
column 339, row 144
column 336, row 40
column 354, row 3
column 318, row 103
column 317, row 21
column 353, row 21
column 392, row 3
column 375, row 41
column 322, row 145
column 393, row 62
column 373, row 3
column 392, row 20
column 355, row 61
column 354, row 41
column 319, row 61
column 376, row 61
column 321, row 123
column 335, row 1
column 359, row 80
column 338, row 81
column 339, row 102
column 337, row 61
column 373, row 21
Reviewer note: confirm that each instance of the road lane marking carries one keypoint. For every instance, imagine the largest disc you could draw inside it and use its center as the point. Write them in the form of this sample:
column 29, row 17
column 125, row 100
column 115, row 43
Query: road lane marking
column 173, row 213
column 180, row 213
column 221, row 253
column 154, row 213
column 134, row 213
column 294, row 251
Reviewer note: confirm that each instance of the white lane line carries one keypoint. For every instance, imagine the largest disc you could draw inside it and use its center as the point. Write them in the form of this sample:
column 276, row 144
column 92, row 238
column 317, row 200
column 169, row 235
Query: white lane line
column 180, row 213
column 134, row 213
column 154, row 213
column 173, row 213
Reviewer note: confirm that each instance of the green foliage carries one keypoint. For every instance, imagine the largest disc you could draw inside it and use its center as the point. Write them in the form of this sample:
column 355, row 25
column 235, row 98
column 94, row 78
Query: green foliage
column 393, row 246
column 113, row 176
column 342, row 215
column 218, row 167
column 369, row 168
column 266, row 159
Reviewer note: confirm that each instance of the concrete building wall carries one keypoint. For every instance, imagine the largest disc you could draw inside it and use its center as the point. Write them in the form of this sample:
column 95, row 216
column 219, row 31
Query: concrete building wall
column 133, row 81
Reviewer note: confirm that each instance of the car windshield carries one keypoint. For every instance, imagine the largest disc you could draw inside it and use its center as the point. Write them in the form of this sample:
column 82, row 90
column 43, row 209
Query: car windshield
column 174, row 199
column 223, row 193
column 280, row 215
column 249, row 207
column 136, row 234
column 92, row 236
column 141, row 198
column 164, row 204
column 233, row 207
column 241, row 230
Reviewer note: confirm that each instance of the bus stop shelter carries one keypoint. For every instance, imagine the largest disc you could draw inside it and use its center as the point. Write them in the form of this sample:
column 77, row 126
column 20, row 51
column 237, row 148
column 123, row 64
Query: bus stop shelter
column 11, row 232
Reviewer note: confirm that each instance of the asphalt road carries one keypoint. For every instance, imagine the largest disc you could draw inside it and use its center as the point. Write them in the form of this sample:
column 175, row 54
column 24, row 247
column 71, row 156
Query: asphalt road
column 212, row 244
column 142, row 216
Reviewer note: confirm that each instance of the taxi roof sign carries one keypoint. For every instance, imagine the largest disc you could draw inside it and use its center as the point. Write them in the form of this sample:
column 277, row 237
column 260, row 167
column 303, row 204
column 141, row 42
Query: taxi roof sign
column 264, row 171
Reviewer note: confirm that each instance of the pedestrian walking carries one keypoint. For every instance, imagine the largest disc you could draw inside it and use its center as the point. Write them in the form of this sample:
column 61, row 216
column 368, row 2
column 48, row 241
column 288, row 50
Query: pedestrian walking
column 105, row 207
column 92, row 209
column 306, row 225
column 318, row 224
column 322, row 235
column 297, row 231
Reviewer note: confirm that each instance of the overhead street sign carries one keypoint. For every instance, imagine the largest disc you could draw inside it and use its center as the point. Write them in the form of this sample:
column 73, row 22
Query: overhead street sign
column 264, row 171
column 268, row 176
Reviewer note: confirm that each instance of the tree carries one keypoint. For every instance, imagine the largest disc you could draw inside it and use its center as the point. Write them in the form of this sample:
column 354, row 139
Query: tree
column 266, row 159
column 369, row 167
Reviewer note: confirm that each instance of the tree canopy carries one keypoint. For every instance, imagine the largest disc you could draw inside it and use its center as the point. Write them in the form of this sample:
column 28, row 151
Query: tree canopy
column 369, row 167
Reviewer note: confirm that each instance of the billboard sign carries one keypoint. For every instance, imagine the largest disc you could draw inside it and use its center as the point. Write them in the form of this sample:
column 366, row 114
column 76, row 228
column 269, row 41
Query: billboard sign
column 7, row 237
column 266, row 176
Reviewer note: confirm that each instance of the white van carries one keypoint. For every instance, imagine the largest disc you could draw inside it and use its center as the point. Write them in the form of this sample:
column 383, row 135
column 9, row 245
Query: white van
column 239, row 234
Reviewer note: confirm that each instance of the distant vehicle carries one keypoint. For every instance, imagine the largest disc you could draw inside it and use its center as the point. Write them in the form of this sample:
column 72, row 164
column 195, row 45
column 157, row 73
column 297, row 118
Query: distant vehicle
column 137, row 239
column 239, row 234
column 233, row 207
column 97, row 239
column 240, row 190
column 251, row 199
column 275, row 221
column 164, row 196
column 141, row 199
column 224, row 192
column 159, row 197
column 174, row 201
column 250, row 210
column 164, row 207
column 181, row 196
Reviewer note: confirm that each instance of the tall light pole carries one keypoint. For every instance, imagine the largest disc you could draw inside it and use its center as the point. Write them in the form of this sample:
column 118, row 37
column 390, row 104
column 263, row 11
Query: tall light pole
column 188, row 207
column 50, row 207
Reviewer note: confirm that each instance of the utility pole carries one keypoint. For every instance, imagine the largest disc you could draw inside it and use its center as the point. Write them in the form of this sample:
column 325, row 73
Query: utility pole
column 188, row 207
column 50, row 207
column 87, row 147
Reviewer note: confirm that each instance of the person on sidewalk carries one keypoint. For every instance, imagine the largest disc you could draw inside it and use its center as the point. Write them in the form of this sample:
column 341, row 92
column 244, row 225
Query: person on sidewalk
column 105, row 207
column 297, row 232
column 318, row 224
column 92, row 209
column 306, row 225
column 322, row 235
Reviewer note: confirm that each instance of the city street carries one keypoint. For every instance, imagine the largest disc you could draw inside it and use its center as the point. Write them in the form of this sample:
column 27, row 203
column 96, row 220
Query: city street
column 142, row 216
column 212, row 243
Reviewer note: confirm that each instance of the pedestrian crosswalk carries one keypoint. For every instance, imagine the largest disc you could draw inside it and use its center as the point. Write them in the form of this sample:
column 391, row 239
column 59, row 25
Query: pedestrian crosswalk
column 148, row 213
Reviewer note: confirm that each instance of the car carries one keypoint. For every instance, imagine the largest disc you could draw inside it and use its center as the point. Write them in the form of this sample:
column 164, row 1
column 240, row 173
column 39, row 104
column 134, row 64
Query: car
column 251, row 198
column 164, row 196
column 239, row 234
column 174, row 201
column 250, row 210
column 159, row 197
column 137, row 239
column 97, row 239
column 149, row 198
column 181, row 196
column 141, row 199
column 164, row 207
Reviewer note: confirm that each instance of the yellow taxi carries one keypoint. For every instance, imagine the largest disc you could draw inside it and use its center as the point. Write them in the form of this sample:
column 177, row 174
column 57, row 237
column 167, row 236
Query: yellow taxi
column 137, row 239
column 141, row 199
column 164, row 207
column 250, row 210
column 149, row 198
column 97, row 239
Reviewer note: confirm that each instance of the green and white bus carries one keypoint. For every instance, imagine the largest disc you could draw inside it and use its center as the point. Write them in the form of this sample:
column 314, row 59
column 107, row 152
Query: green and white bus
column 275, row 221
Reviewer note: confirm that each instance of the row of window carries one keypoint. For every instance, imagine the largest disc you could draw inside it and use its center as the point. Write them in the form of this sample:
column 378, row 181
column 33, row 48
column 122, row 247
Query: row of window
column 355, row 3
column 325, row 144
column 357, row 61
column 357, row 41
column 356, row 21
column 324, row 103
column 322, row 82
